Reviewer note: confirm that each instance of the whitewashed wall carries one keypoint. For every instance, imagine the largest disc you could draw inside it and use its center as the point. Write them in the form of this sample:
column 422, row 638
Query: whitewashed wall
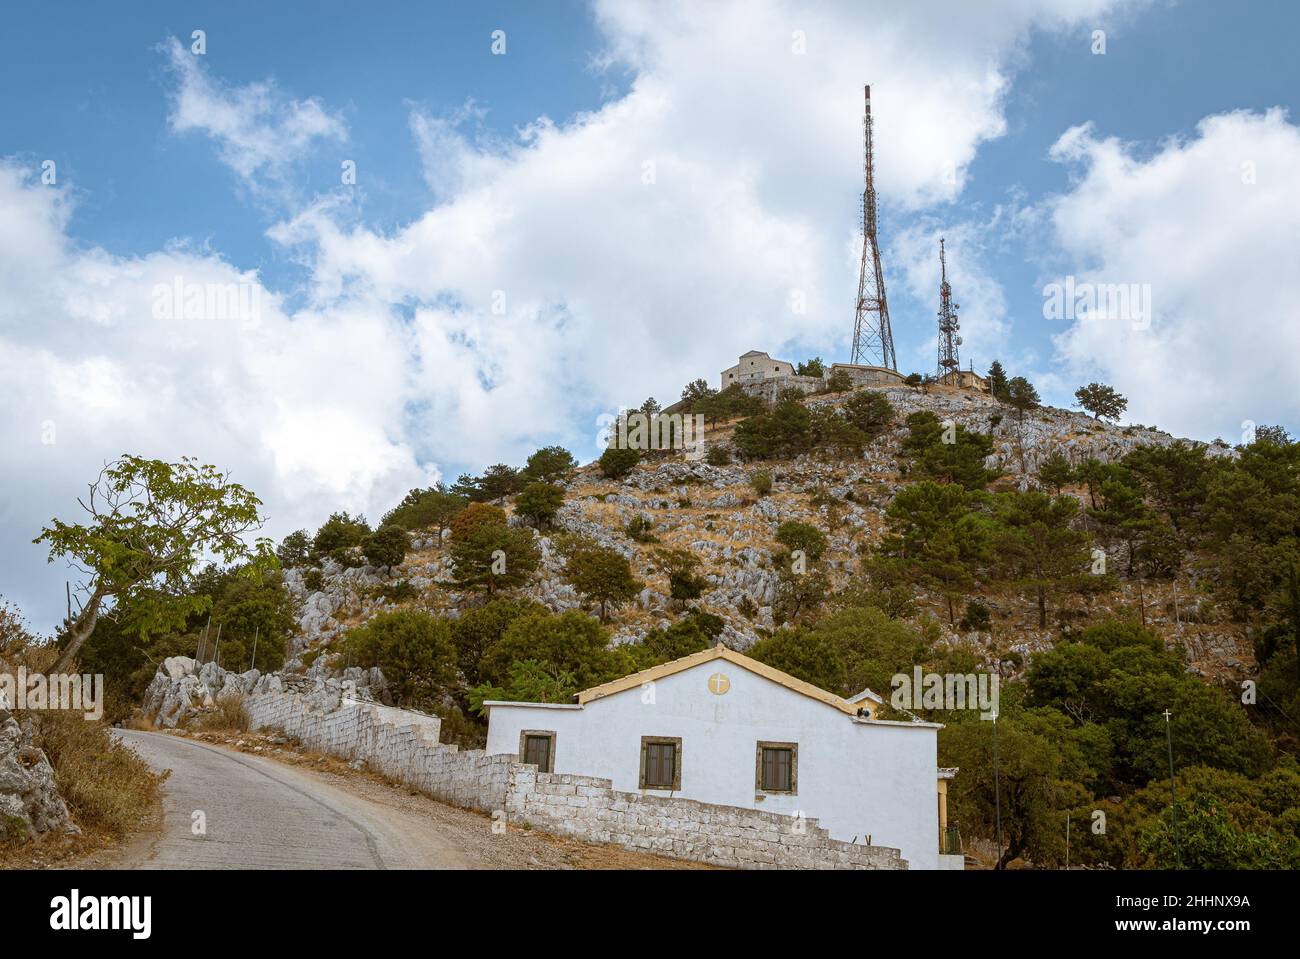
column 857, row 778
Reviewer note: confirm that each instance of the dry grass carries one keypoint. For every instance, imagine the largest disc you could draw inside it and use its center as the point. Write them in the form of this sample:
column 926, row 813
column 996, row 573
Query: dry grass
column 230, row 714
column 107, row 787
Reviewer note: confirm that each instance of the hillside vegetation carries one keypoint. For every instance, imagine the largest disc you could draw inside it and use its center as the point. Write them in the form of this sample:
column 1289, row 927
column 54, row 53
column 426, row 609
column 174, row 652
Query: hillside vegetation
column 1105, row 573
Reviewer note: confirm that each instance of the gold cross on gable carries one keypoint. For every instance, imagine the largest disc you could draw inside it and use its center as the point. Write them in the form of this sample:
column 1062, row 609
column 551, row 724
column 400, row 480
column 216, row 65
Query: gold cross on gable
column 719, row 684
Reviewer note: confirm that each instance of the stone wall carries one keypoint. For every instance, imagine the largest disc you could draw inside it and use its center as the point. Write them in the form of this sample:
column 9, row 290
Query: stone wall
column 589, row 808
column 404, row 747
column 393, row 742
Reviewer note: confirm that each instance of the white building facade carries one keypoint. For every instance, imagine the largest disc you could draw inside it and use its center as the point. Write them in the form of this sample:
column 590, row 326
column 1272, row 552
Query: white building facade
column 719, row 727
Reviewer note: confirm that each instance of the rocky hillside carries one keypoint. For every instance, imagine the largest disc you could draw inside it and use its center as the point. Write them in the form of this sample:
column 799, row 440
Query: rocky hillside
column 715, row 512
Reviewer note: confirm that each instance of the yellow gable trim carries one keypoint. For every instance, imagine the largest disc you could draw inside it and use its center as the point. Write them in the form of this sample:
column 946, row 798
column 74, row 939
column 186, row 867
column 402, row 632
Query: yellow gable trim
column 708, row 655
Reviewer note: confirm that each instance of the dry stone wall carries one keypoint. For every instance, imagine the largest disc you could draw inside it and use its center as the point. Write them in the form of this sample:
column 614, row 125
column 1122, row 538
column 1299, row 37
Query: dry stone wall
column 404, row 747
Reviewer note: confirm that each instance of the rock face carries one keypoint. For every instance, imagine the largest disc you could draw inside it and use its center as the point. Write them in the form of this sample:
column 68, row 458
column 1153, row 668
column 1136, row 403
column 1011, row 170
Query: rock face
column 29, row 802
column 183, row 689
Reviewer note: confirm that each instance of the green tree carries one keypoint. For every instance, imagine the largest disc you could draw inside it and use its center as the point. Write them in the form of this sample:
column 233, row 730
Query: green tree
column 550, row 464
column 432, row 508
column 794, row 535
column 948, row 453
column 570, row 641
column 870, row 411
column 340, row 531
column 1037, row 782
column 696, row 392
column 414, row 650
column 479, row 629
column 602, row 575
column 1022, row 397
column 814, row 659
column 539, row 502
column 294, row 549
column 1055, row 472
column 1101, row 400
column 998, row 381
column 936, row 535
column 149, row 527
column 680, row 566
column 814, row 367
column 1037, row 546
column 617, row 462
column 493, row 556
column 386, row 547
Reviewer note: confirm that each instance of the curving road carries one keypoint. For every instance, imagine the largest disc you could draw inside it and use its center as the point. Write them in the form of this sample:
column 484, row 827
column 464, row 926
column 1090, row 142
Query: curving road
column 264, row 815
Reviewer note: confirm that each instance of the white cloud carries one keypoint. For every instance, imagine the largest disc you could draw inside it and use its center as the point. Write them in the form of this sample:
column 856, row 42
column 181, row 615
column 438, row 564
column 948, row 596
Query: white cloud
column 306, row 409
column 586, row 263
column 1219, row 253
column 260, row 132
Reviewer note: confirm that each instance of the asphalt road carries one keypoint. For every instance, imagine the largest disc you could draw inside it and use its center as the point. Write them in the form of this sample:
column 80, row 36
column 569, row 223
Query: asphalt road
column 259, row 814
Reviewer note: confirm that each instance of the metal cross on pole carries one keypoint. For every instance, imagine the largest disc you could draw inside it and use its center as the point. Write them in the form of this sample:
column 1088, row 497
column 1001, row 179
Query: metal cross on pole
column 1173, row 794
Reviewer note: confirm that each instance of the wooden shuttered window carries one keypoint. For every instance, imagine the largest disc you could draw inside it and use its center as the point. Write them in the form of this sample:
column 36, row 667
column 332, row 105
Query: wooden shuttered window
column 538, row 748
column 776, row 769
column 661, row 762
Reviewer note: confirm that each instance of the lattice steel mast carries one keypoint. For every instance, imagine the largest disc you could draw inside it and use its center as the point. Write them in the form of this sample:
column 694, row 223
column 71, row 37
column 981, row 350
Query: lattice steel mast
column 949, row 341
column 872, row 337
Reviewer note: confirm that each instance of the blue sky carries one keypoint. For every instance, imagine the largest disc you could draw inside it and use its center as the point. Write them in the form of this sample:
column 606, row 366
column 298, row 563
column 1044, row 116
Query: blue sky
column 625, row 200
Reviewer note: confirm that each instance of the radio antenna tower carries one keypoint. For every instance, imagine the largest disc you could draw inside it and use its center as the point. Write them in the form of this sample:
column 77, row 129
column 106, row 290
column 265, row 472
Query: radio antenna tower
column 949, row 341
column 872, row 337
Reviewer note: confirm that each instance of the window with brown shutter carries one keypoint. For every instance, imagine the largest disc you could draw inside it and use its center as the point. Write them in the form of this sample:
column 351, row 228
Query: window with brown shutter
column 776, row 768
column 537, row 746
column 661, row 762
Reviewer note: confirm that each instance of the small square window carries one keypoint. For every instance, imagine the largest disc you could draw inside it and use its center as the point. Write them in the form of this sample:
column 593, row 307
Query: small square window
column 776, row 768
column 537, row 746
column 661, row 762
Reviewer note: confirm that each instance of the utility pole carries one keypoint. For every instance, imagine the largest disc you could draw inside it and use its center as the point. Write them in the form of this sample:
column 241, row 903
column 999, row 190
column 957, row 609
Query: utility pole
column 253, row 662
column 1173, row 794
column 997, row 791
column 1067, row 842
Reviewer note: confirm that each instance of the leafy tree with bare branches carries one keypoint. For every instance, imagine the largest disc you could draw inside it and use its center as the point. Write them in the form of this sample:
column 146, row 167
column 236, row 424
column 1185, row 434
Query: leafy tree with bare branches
column 149, row 528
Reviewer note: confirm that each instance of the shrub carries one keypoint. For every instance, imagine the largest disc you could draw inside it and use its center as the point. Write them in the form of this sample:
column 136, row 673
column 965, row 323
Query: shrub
column 539, row 502
column 414, row 650
column 293, row 549
column 338, row 532
column 717, row 456
column 551, row 464
column 602, row 576
column 870, row 411
column 639, row 528
column 977, row 618
column 839, row 382
column 615, row 463
column 228, row 714
column 313, row 580
column 399, row 591
column 794, row 535
column 385, row 548
column 492, row 557
column 761, row 482
column 105, row 784
column 473, row 516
